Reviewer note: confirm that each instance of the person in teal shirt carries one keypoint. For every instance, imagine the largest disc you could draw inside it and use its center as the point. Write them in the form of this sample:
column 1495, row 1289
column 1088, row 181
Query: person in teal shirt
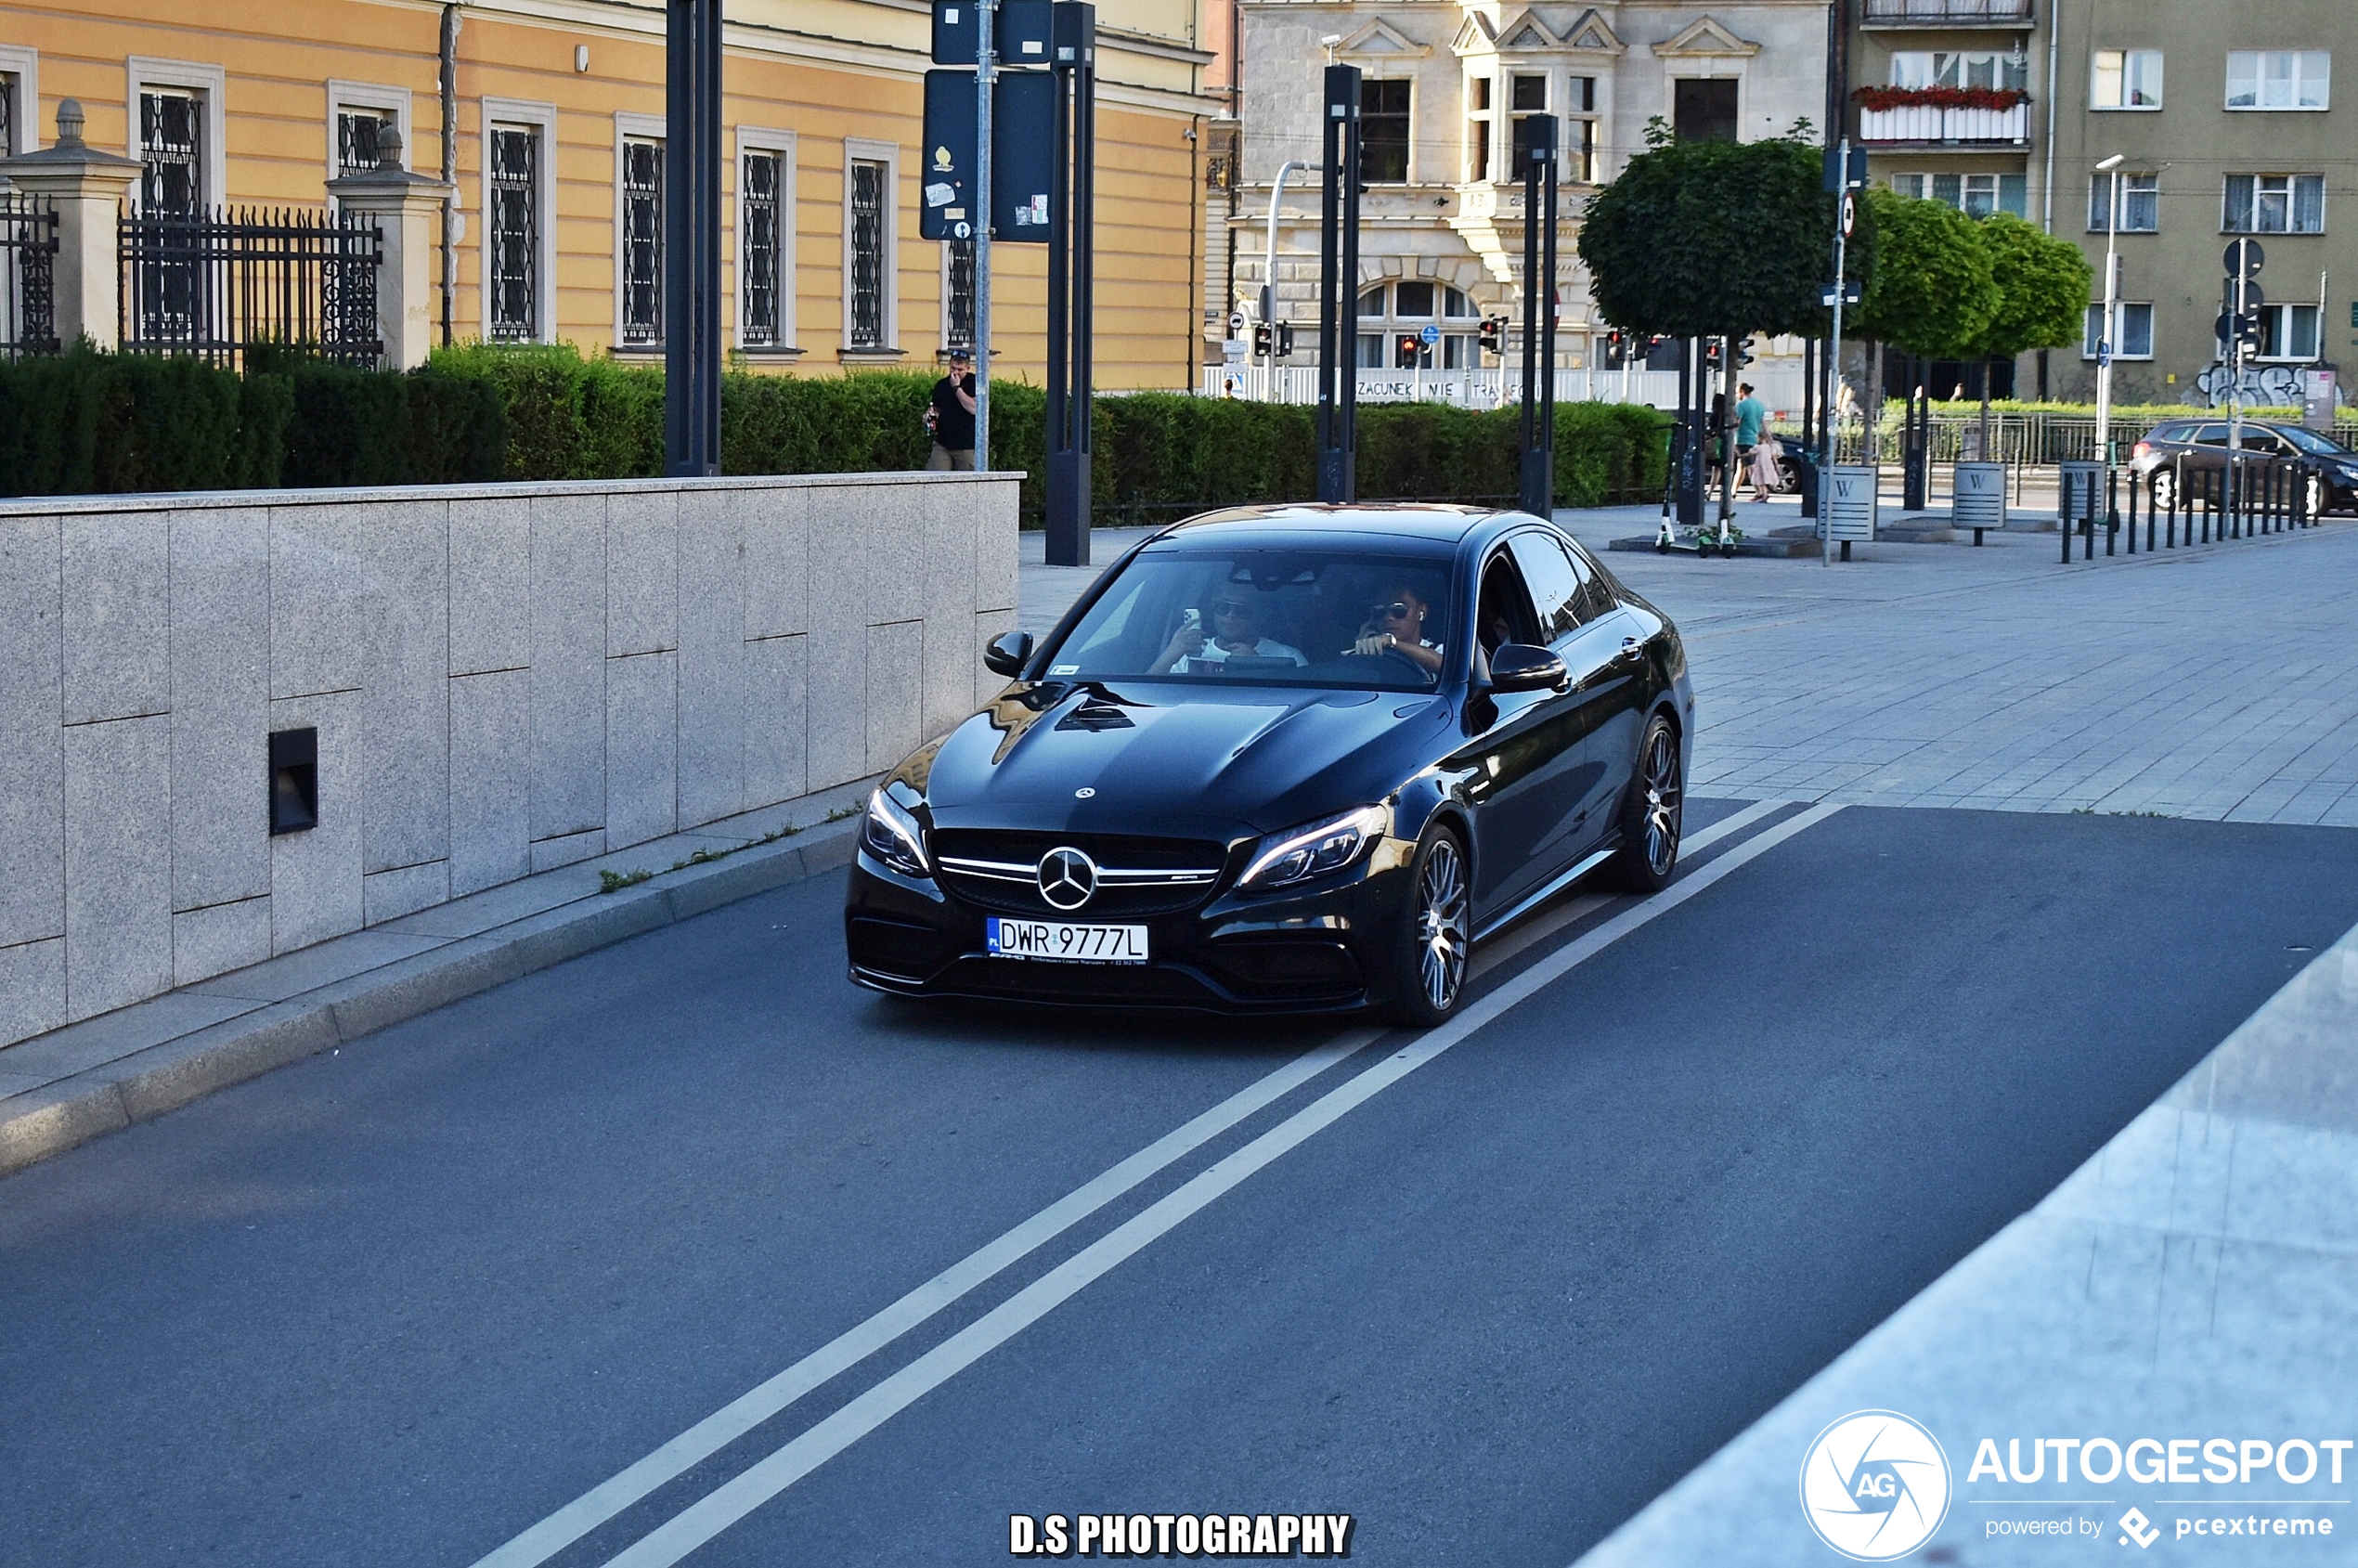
column 1750, row 416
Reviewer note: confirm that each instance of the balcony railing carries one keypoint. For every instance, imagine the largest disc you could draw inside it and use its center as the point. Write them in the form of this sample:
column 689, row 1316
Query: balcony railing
column 1930, row 124
column 1949, row 13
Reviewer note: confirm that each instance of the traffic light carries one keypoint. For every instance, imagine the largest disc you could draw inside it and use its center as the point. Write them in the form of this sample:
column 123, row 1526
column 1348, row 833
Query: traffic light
column 1285, row 340
column 1410, row 347
column 1262, row 339
column 1743, row 352
column 1494, row 334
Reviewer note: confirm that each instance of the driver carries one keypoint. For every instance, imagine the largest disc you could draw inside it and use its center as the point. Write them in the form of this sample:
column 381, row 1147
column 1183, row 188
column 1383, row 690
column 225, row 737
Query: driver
column 1397, row 625
column 1237, row 627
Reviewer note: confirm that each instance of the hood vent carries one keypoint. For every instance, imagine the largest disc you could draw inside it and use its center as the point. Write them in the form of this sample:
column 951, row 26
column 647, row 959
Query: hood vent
column 1096, row 716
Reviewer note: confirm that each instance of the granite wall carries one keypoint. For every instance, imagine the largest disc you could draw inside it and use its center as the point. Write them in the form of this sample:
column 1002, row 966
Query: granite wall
column 503, row 679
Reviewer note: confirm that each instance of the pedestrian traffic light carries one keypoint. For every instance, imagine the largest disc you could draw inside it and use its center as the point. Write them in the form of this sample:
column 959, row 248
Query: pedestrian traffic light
column 1494, row 334
column 1263, row 340
column 1411, row 349
column 1743, row 352
column 1285, row 340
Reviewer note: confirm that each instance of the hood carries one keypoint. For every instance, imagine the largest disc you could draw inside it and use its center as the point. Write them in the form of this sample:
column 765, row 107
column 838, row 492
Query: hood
column 1185, row 762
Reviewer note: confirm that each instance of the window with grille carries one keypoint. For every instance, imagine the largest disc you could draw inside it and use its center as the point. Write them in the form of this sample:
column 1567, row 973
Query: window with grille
column 1383, row 132
column 764, row 180
column 2139, row 203
column 958, row 315
column 357, row 139
column 514, row 233
column 2276, row 205
column 171, row 154
column 869, row 181
column 7, row 112
column 641, row 254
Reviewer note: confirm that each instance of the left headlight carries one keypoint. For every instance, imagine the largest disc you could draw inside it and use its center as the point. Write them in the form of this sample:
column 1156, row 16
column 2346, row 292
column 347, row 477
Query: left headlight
column 1314, row 848
column 890, row 833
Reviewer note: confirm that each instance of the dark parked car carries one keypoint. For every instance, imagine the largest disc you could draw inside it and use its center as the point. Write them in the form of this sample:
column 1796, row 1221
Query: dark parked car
column 2194, row 447
column 1284, row 759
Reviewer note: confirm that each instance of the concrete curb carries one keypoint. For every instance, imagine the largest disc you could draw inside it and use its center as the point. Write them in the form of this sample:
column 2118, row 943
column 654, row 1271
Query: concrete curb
column 147, row 1084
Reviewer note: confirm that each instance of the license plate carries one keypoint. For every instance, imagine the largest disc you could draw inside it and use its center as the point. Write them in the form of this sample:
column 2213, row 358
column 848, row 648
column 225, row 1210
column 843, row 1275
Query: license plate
column 1059, row 942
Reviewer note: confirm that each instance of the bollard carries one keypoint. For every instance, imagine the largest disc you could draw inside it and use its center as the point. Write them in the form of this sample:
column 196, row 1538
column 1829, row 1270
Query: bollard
column 2133, row 515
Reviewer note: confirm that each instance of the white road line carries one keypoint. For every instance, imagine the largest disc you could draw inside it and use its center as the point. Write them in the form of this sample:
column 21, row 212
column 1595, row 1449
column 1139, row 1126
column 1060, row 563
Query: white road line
column 1539, row 926
column 718, row 1509
column 748, row 1410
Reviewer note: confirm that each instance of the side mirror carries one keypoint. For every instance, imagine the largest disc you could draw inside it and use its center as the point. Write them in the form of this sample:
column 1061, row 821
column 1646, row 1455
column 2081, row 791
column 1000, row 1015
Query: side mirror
column 1009, row 652
column 1519, row 667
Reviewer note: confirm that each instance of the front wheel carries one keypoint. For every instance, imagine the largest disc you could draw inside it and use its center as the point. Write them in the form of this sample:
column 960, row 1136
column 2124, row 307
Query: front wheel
column 2165, row 490
column 1436, row 934
column 1651, row 812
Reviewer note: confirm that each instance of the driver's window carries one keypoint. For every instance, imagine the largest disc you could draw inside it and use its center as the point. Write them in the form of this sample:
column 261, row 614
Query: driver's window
column 1504, row 613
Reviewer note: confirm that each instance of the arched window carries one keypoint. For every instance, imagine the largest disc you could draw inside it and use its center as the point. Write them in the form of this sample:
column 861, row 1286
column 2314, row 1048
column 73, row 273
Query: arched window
column 1393, row 318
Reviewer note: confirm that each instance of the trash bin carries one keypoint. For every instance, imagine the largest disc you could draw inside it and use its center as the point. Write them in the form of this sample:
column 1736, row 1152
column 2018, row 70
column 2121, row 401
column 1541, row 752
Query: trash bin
column 2077, row 492
column 1977, row 498
column 1852, row 511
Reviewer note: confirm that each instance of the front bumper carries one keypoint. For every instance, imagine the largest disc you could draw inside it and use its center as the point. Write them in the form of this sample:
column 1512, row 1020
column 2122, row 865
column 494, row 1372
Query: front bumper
column 1323, row 949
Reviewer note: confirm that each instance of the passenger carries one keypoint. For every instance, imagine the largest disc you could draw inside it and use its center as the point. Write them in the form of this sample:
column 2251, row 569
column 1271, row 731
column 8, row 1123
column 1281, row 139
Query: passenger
column 1237, row 627
column 1397, row 626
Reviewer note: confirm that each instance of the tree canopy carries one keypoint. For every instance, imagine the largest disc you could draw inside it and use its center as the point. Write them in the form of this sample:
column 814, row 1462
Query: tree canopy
column 1932, row 292
column 2044, row 286
column 1704, row 238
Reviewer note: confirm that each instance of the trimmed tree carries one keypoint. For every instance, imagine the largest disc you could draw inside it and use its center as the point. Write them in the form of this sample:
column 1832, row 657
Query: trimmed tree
column 2044, row 288
column 1932, row 295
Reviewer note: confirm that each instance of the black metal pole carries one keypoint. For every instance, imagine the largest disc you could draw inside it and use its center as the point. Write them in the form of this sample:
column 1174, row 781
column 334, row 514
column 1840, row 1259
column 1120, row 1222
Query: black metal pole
column 1071, row 262
column 692, row 239
column 1339, row 289
column 1538, row 471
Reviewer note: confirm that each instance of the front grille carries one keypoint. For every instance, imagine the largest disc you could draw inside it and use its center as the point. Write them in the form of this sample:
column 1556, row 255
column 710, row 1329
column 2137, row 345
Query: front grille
column 1136, row 876
column 1116, row 984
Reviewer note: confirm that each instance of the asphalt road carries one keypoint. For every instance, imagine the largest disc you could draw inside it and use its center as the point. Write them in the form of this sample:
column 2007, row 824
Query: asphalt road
column 393, row 1305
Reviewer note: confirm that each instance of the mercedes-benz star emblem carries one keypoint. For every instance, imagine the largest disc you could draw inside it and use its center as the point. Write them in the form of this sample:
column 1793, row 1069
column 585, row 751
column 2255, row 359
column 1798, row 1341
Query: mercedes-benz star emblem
column 1068, row 877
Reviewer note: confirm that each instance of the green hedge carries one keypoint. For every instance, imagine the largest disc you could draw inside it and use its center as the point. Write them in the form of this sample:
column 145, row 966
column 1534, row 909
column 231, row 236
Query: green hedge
column 88, row 421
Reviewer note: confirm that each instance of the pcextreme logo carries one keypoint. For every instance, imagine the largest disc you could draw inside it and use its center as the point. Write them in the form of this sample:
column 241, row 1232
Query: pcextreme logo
column 1874, row 1486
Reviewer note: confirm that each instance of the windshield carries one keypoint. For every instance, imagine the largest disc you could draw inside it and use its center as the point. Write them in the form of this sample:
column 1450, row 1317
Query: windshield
column 1271, row 617
column 2310, row 441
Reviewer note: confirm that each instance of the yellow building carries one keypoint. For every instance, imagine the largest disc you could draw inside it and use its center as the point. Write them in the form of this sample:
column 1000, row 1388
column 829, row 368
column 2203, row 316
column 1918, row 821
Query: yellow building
column 554, row 139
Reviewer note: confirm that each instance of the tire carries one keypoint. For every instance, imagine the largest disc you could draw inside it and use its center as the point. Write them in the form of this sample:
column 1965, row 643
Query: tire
column 2315, row 497
column 2164, row 485
column 1652, row 812
column 1435, row 942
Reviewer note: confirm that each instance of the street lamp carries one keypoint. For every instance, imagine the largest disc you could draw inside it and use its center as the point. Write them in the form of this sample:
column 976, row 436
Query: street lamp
column 2110, row 166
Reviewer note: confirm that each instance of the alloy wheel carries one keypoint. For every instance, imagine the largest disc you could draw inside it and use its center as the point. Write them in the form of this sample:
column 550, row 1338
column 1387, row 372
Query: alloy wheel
column 1443, row 924
column 1664, row 795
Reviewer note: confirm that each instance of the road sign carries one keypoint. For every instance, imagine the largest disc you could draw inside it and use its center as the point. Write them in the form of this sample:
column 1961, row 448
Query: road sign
column 2243, row 258
column 1236, row 323
column 1849, row 212
column 1837, row 178
column 1430, row 335
column 944, row 185
column 1020, row 36
column 1023, row 155
column 1850, row 294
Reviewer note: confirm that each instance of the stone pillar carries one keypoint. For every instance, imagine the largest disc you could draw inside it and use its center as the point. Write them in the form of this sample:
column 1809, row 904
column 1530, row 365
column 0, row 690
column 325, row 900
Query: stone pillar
column 86, row 187
column 404, row 206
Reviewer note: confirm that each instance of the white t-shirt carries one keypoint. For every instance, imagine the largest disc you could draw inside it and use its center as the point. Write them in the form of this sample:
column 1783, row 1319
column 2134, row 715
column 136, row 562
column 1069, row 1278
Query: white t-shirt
column 1212, row 653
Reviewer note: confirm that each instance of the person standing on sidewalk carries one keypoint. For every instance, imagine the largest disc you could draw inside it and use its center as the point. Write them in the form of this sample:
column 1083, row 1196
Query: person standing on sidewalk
column 953, row 417
column 1750, row 416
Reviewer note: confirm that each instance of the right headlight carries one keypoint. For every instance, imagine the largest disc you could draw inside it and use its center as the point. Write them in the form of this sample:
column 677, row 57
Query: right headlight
column 1314, row 848
column 890, row 832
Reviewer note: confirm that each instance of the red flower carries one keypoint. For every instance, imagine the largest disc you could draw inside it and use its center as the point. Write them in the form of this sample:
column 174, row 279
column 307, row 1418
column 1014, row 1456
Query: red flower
column 1938, row 98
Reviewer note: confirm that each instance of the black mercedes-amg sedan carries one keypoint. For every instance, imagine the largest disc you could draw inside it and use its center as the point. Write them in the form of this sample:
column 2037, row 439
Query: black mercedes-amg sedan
column 1284, row 759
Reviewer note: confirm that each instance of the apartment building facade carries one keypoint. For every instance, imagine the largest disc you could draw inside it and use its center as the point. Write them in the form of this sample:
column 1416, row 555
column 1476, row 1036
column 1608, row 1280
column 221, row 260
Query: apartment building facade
column 554, row 139
column 2223, row 121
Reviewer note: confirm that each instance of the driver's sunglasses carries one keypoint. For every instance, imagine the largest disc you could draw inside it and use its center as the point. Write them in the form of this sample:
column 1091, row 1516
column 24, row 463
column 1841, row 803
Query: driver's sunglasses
column 1396, row 610
column 1230, row 607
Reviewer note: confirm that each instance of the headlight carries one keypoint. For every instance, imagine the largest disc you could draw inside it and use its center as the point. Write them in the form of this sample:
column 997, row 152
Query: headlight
column 1315, row 849
column 890, row 833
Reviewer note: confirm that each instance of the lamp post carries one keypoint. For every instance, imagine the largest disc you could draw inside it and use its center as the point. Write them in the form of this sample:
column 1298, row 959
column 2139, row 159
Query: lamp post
column 1269, row 274
column 2110, row 166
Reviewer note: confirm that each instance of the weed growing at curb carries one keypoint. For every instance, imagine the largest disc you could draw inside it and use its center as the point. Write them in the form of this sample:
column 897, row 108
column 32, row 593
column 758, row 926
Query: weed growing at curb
column 614, row 881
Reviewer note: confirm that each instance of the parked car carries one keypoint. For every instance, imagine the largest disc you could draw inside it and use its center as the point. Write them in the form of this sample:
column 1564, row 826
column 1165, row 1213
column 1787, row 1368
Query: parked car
column 1284, row 759
column 2329, row 470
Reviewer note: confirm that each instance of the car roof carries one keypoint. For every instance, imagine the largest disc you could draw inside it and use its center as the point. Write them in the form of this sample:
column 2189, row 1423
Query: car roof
column 1440, row 522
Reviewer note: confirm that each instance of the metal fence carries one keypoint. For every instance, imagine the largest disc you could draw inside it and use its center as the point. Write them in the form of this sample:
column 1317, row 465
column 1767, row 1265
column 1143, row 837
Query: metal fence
column 28, row 292
column 2024, row 440
column 217, row 284
column 1492, row 387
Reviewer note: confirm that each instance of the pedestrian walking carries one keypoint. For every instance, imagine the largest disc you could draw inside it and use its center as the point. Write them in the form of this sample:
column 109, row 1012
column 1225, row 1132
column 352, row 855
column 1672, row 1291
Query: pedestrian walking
column 1750, row 416
column 950, row 417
